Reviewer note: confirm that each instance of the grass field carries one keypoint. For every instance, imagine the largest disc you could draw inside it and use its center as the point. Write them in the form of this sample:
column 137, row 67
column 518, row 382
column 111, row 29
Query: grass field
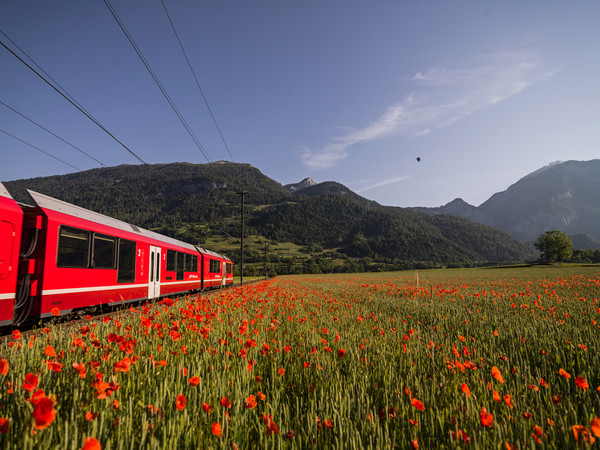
column 479, row 358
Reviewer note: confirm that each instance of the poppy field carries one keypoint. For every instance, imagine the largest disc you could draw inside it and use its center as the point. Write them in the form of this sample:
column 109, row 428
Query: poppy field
column 469, row 358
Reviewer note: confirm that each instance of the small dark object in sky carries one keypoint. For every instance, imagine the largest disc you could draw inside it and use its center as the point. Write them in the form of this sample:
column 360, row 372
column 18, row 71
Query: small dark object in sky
column 418, row 158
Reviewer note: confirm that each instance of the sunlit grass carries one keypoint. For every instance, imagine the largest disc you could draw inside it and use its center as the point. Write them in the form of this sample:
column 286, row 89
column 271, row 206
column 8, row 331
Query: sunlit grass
column 482, row 357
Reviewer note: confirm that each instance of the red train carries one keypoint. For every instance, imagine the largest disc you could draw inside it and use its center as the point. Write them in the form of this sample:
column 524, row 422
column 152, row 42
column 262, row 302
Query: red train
column 56, row 258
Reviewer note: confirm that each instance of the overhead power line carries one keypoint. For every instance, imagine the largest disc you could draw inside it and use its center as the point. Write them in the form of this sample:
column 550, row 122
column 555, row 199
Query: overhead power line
column 56, row 136
column 88, row 115
column 156, row 80
column 40, row 150
column 197, row 82
column 63, row 91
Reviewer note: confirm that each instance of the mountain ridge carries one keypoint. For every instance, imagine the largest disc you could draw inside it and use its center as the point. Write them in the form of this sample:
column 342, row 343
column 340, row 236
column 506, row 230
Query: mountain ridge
column 561, row 195
column 195, row 202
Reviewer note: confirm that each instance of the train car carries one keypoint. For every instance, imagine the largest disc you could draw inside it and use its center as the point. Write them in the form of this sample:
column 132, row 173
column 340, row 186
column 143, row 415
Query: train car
column 82, row 259
column 217, row 270
column 11, row 221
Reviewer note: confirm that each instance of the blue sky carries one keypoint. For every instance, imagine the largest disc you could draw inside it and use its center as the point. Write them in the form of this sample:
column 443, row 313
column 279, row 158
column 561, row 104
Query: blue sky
column 351, row 91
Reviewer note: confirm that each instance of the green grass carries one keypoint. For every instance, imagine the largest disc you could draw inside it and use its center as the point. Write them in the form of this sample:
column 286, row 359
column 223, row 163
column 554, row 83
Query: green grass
column 354, row 349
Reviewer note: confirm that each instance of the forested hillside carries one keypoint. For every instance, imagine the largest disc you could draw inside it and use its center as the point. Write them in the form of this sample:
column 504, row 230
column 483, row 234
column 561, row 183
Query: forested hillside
column 336, row 228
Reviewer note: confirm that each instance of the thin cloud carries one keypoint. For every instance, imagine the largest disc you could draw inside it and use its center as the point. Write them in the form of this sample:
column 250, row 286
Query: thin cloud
column 440, row 97
column 383, row 183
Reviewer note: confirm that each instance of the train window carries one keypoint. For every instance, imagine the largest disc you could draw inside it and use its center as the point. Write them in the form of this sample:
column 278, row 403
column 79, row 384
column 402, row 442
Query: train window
column 194, row 267
column 126, row 269
column 188, row 263
column 180, row 265
column 171, row 260
column 215, row 266
column 73, row 247
column 103, row 252
column 229, row 267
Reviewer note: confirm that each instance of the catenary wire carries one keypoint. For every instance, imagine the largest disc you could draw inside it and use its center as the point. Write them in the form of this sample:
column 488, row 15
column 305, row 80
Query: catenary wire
column 48, row 76
column 56, row 136
column 40, row 150
column 89, row 116
column 156, row 80
column 196, row 79
column 63, row 93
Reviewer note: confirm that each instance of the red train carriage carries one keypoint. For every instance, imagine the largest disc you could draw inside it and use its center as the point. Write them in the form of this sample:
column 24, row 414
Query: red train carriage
column 217, row 270
column 11, row 220
column 82, row 258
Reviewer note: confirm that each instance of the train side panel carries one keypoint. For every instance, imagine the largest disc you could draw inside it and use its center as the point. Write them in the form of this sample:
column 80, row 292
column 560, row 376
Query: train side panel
column 11, row 223
column 180, row 270
column 93, row 262
column 216, row 270
column 86, row 264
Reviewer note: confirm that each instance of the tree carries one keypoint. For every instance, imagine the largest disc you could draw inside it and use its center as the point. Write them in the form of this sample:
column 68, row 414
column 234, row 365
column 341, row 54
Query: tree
column 554, row 246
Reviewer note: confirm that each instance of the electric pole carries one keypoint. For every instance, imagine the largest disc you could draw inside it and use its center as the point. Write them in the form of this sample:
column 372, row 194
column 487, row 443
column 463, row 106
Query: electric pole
column 266, row 271
column 242, row 193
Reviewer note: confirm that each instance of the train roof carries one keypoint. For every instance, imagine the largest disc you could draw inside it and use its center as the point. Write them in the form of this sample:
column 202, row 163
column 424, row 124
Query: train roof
column 4, row 192
column 53, row 204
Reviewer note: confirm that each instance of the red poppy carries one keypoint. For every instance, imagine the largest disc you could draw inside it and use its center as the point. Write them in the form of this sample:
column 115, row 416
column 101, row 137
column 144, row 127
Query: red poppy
column 49, row 351
column 90, row 416
column 4, row 425
column 206, row 407
column 55, row 311
column 16, row 334
column 91, row 443
column 564, row 373
column 250, row 402
column 583, row 431
column 497, row 375
column 341, row 352
column 271, row 427
column 536, row 434
column 486, row 419
column 497, row 397
column 417, row 404
column 466, row 389
column 180, row 402
column 43, row 413
column 582, row 383
column 225, row 402
column 55, row 366
column 31, row 382
column 194, row 381
column 123, row 365
column 80, row 368
column 216, row 429
column 280, row 371
column 4, row 366
column 508, row 400
column 595, row 426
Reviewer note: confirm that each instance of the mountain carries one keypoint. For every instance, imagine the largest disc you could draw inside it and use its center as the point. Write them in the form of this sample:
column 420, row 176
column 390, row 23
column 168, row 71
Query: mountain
column 458, row 207
column 199, row 203
column 295, row 187
column 585, row 242
column 564, row 196
column 560, row 196
column 333, row 188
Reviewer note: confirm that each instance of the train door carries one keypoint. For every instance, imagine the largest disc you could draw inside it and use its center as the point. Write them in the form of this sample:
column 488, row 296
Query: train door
column 154, row 273
column 224, row 273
